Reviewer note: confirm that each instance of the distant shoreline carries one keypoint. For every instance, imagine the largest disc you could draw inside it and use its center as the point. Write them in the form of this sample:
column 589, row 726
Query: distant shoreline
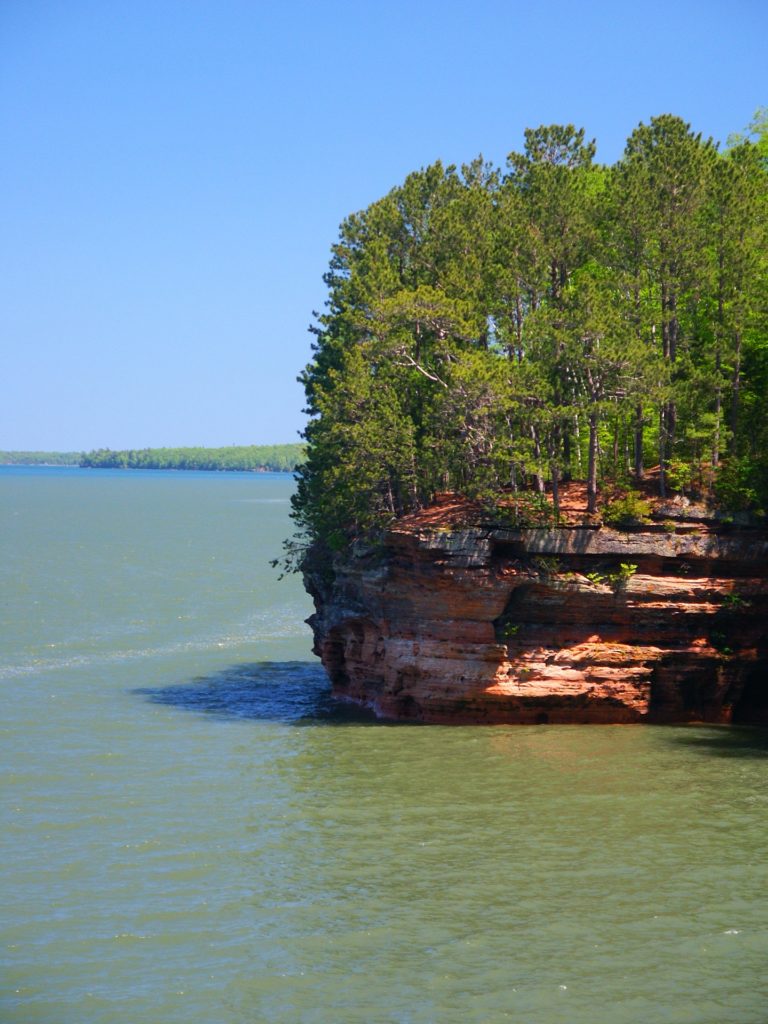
column 187, row 469
column 131, row 469
column 278, row 458
column 30, row 458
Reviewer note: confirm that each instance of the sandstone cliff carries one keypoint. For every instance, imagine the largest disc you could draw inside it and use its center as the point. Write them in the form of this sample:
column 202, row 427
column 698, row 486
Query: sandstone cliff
column 575, row 624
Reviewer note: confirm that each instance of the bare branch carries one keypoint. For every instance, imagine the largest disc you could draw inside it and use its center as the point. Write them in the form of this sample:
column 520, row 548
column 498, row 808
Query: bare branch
column 410, row 361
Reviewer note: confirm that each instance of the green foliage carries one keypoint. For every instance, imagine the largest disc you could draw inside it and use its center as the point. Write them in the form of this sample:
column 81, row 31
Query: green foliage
column 277, row 458
column 719, row 640
column 597, row 578
column 40, row 458
column 629, row 510
column 616, row 580
column 681, row 475
column 522, row 511
column 620, row 578
column 493, row 333
column 546, row 565
column 737, row 484
column 725, row 625
column 506, row 631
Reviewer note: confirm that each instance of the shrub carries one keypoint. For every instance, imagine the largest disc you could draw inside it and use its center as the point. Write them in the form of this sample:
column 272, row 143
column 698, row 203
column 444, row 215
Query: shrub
column 735, row 488
column 616, row 580
column 719, row 641
column 619, row 579
column 546, row 565
column 680, row 475
column 525, row 510
column 734, row 602
column 629, row 510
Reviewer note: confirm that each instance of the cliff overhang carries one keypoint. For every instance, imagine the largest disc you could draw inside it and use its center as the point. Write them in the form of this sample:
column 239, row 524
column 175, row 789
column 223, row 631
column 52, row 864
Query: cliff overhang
column 486, row 624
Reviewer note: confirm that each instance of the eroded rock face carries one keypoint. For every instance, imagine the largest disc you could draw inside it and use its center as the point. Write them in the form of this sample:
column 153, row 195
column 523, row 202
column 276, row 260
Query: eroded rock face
column 527, row 626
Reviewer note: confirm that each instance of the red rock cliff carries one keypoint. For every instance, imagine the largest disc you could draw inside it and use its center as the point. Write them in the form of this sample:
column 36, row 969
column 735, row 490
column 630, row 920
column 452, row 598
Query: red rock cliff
column 494, row 625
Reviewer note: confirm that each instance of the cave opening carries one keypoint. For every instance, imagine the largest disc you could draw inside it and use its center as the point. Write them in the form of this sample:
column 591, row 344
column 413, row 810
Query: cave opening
column 752, row 706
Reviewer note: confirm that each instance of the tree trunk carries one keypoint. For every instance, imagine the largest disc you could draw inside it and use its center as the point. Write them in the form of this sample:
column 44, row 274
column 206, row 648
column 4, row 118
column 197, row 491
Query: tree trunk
column 390, row 497
column 670, row 329
column 735, row 396
column 577, row 432
column 556, row 492
column 592, row 464
column 718, row 414
column 540, row 487
column 718, row 358
column 554, row 468
column 639, row 468
column 566, row 452
column 519, row 327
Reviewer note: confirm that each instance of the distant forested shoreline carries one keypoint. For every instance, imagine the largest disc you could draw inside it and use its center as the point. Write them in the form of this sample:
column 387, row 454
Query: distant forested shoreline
column 40, row 458
column 274, row 458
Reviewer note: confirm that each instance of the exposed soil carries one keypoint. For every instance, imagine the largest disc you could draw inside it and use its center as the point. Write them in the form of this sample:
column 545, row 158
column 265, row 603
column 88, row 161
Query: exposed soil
column 450, row 510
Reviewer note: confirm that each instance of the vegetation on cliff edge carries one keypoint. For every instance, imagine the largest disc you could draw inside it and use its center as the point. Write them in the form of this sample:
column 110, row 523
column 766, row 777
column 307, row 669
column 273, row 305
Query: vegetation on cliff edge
column 493, row 330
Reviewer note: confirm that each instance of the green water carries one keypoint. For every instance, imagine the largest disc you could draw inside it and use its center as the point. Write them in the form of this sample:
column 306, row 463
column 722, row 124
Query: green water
column 193, row 833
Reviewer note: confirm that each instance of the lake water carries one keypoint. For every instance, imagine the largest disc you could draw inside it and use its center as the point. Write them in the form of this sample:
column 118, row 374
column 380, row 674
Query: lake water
column 193, row 833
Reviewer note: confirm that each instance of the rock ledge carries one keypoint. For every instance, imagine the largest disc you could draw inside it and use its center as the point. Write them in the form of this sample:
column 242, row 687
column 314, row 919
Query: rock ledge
column 491, row 625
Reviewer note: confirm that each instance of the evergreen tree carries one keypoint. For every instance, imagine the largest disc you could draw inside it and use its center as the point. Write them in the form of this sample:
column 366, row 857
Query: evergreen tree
column 486, row 332
column 666, row 170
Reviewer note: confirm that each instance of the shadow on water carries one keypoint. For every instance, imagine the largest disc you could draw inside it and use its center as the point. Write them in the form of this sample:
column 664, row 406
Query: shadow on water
column 724, row 741
column 294, row 692
column 298, row 693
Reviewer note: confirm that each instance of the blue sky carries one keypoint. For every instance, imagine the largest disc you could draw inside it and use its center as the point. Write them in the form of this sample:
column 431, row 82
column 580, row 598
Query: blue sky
column 174, row 173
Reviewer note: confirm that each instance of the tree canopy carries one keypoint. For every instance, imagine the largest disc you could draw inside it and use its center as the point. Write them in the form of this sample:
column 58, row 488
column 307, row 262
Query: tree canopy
column 489, row 329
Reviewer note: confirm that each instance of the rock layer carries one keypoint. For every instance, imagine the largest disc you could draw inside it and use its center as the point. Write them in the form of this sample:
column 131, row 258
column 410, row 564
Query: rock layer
column 528, row 626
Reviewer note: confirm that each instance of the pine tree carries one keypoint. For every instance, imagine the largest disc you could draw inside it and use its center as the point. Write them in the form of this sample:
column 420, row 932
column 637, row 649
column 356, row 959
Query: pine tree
column 486, row 332
column 665, row 171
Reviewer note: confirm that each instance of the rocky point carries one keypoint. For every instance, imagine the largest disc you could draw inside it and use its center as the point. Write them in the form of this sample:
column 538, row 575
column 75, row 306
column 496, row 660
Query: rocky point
column 450, row 622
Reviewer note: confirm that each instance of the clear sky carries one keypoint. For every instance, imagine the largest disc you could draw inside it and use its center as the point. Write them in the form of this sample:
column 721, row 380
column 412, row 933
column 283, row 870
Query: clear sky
column 173, row 174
